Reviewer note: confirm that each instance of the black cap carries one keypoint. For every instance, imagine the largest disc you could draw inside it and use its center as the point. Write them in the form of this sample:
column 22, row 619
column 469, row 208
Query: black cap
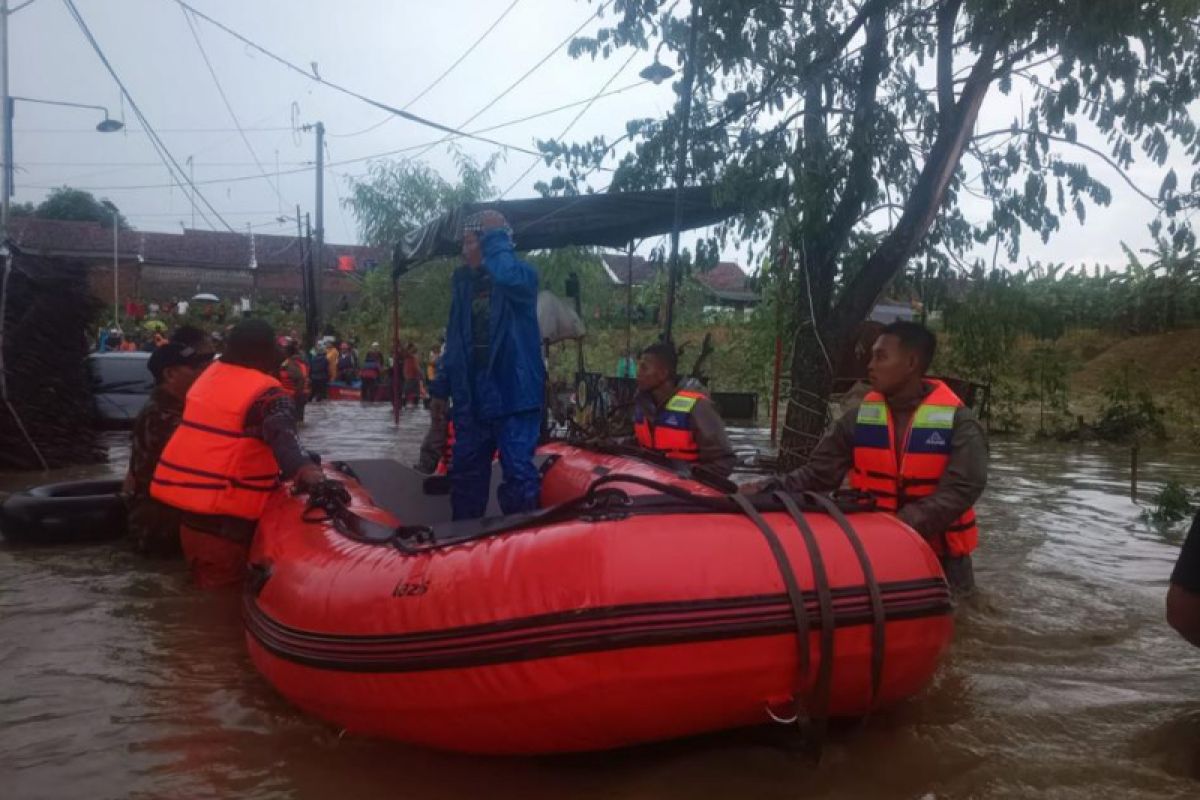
column 174, row 354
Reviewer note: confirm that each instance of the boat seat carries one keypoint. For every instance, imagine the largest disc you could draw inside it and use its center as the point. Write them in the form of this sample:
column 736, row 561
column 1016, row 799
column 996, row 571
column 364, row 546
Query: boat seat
column 402, row 490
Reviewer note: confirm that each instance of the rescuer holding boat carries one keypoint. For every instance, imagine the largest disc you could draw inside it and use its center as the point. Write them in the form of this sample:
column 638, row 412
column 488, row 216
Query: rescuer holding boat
column 494, row 371
column 680, row 424
column 913, row 445
column 236, row 440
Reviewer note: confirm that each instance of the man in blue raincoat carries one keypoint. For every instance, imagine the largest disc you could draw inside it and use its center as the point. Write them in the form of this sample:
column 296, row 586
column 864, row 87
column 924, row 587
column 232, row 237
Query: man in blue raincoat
column 493, row 365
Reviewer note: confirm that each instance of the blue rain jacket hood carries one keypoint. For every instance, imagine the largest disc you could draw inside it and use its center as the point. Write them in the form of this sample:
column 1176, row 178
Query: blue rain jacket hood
column 515, row 377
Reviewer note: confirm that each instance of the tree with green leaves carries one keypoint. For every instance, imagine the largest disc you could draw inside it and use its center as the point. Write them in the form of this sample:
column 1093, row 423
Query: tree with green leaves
column 74, row 205
column 868, row 110
column 399, row 196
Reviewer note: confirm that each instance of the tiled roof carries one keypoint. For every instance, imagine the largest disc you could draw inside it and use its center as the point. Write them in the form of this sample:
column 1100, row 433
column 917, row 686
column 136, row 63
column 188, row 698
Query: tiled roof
column 725, row 276
column 618, row 268
column 190, row 248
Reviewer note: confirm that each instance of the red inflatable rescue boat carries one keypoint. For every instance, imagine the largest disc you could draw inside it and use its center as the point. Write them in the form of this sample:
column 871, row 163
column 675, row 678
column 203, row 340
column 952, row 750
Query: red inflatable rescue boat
column 637, row 605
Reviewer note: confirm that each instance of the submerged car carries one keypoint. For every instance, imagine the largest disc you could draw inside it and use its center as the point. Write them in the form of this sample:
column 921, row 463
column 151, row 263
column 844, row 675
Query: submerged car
column 121, row 384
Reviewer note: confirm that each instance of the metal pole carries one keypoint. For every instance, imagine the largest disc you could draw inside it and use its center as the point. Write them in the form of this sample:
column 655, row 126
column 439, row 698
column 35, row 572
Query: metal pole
column 397, row 361
column 319, row 260
column 685, row 113
column 629, row 305
column 6, row 148
column 116, row 275
column 192, row 177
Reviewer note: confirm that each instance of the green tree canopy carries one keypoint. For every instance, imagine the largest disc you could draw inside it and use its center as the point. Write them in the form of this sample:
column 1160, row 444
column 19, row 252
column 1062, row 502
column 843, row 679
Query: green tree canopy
column 399, row 196
column 869, row 108
column 71, row 204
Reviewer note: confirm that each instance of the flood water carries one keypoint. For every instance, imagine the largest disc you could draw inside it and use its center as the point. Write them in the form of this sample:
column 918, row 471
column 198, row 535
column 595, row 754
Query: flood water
column 119, row 680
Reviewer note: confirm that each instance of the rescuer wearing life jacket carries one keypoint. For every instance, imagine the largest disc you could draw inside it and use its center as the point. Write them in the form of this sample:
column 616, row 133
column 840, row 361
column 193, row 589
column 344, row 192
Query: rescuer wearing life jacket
column 680, row 424
column 1183, row 597
column 913, row 445
column 236, row 441
column 494, row 371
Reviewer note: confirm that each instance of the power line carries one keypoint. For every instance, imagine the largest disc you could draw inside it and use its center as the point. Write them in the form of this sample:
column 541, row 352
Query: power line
column 314, row 76
column 373, row 156
column 228, row 106
column 574, row 119
column 527, row 73
column 439, row 78
column 164, row 153
column 90, row 131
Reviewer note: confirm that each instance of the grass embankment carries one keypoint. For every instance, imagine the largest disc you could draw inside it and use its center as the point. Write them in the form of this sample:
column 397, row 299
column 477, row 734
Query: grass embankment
column 1099, row 371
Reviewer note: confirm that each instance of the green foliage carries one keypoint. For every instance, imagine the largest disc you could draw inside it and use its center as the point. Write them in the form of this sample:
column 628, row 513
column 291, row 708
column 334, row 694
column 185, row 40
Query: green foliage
column 1172, row 504
column 1129, row 412
column 1045, row 372
column 75, row 205
column 399, row 196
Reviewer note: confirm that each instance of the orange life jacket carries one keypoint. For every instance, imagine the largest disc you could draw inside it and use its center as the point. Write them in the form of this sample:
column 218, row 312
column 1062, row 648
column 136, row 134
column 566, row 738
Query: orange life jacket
column 286, row 380
column 210, row 465
column 671, row 431
column 926, row 452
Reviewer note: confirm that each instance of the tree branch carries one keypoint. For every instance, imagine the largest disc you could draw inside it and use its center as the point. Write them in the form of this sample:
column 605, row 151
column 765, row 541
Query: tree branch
column 1098, row 153
column 923, row 204
column 858, row 179
column 947, row 17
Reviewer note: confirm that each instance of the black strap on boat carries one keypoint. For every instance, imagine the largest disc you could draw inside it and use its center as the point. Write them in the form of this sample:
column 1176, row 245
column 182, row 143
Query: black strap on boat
column 878, row 621
column 795, row 597
column 819, row 701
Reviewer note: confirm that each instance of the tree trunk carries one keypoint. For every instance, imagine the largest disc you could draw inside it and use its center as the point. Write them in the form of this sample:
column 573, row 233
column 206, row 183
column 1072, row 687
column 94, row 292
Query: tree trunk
column 811, row 378
column 807, row 413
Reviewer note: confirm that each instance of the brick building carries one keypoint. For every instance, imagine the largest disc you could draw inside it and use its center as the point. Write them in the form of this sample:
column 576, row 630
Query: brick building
column 170, row 266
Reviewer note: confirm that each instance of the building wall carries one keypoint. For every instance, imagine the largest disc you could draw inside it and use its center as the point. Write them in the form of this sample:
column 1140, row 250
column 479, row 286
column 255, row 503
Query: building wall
column 163, row 282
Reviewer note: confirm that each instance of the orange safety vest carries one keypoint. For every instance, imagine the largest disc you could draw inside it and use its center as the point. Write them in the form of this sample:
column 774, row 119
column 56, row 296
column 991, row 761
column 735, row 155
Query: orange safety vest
column 671, row 431
column 286, row 380
column 210, row 465
column 926, row 452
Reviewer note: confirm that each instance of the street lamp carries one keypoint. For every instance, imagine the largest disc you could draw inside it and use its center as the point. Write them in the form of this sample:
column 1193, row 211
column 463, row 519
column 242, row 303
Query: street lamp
column 106, row 125
column 657, row 72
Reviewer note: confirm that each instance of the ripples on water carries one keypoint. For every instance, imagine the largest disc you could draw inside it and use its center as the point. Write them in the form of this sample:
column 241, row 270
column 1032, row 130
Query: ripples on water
column 119, row 680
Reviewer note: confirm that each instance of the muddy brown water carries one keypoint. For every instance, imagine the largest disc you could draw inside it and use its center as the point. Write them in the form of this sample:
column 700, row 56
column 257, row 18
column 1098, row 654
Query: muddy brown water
column 119, row 680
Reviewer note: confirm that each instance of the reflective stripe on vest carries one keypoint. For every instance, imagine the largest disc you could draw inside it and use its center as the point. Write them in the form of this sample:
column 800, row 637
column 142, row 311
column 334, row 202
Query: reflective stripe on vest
column 926, row 452
column 210, row 465
column 671, row 433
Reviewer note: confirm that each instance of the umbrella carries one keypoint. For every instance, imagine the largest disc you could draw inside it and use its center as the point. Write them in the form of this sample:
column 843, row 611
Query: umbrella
column 154, row 325
column 205, row 298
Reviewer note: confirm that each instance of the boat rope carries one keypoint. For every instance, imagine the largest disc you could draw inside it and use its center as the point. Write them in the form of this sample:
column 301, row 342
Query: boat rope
column 819, row 701
column 878, row 621
column 796, row 597
column 8, row 259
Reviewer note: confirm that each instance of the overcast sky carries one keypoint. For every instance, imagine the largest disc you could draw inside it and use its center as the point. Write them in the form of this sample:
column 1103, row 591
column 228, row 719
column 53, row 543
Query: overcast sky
column 387, row 49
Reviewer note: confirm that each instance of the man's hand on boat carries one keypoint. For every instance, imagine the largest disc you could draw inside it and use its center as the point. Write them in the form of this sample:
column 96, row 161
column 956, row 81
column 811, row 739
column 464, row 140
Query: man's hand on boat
column 309, row 477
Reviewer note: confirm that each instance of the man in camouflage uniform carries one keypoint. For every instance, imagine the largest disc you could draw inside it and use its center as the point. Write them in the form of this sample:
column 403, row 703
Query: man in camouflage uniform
column 175, row 366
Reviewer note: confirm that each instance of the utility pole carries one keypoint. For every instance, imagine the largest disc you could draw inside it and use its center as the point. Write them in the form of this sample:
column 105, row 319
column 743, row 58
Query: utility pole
column 6, row 147
column 681, row 143
column 192, row 177
column 312, row 323
column 318, row 259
